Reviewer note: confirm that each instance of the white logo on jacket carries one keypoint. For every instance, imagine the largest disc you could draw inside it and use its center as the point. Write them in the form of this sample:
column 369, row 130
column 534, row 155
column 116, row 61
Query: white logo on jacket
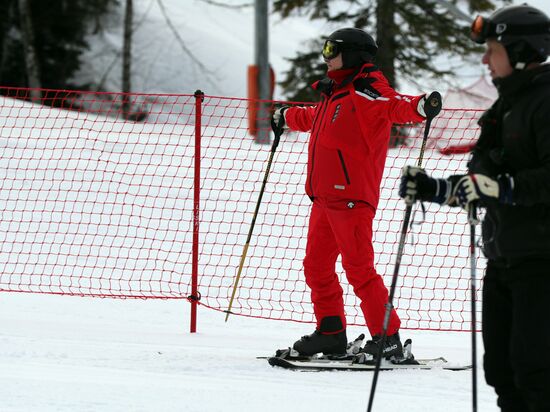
column 371, row 95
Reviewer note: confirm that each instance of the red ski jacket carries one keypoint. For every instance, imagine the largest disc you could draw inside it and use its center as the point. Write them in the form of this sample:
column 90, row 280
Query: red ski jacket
column 350, row 131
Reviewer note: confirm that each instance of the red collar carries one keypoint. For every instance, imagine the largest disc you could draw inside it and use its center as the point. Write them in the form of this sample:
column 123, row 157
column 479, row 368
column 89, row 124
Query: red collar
column 340, row 75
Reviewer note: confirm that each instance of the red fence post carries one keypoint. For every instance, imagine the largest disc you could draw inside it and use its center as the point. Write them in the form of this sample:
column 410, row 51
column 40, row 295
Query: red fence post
column 194, row 298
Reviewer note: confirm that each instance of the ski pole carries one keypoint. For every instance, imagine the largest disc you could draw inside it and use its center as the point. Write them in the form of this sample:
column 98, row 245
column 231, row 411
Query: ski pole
column 277, row 131
column 473, row 221
column 434, row 103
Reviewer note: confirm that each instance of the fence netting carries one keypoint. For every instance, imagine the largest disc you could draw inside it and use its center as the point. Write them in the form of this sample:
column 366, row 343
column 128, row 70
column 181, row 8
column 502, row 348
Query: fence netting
column 96, row 199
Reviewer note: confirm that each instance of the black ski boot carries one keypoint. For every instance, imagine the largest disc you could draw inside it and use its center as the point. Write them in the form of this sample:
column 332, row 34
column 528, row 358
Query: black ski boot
column 326, row 339
column 392, row 347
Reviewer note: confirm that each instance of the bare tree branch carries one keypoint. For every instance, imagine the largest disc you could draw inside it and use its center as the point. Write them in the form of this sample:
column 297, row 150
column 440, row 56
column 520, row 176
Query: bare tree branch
column 455, row 11
column 183, row 46
column 228, row 6
column 118, row 53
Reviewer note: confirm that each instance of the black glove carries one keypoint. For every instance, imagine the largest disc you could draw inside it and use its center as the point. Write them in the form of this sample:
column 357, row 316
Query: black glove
column 417, row 185
column 430, row 106
column 278, row 121
column 480, row 187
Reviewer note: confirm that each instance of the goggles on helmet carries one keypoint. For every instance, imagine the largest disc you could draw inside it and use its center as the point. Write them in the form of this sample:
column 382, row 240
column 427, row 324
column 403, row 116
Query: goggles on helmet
column 483, row 28
column 331, row 49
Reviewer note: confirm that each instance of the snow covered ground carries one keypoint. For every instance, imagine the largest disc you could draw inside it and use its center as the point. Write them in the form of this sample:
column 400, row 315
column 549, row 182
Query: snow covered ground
column 70, row 354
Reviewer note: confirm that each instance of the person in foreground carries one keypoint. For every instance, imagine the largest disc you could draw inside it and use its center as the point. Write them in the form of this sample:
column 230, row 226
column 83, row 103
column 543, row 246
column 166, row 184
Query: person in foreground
column 349, row 135
column 509, row 176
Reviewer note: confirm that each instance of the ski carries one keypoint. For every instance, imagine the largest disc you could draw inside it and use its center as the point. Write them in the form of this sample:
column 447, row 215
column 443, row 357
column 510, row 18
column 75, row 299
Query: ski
column 323, row 364
column 356, row 360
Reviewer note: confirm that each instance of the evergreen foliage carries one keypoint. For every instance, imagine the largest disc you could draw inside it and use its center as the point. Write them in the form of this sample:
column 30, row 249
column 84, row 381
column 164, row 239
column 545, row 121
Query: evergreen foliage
column 410, row 34
column 306, row 68
column 60, row 29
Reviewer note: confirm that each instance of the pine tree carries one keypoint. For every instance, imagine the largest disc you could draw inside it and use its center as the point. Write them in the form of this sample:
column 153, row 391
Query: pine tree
column 60, row 28
column 410, row 35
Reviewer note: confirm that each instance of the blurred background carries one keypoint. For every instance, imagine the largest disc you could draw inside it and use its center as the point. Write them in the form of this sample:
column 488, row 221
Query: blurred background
column 175, row 46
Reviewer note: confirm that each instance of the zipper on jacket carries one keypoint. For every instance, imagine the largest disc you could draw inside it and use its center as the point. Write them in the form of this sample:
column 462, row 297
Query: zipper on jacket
column 319, row 124
column 341, row 156
column 327, row 99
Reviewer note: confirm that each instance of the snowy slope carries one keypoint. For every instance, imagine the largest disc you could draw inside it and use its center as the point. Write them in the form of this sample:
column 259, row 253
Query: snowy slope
column 69, row 354
column 104, row 225
column 60, row 353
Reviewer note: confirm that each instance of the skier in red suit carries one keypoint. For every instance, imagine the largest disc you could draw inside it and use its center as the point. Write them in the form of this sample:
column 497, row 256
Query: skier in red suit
column 349, row 135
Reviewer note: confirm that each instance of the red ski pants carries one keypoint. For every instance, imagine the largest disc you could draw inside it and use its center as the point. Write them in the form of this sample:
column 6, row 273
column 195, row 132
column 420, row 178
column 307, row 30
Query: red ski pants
column 345, row 228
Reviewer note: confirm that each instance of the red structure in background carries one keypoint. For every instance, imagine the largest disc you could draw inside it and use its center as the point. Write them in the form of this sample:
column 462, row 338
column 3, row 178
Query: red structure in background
column 253, row 96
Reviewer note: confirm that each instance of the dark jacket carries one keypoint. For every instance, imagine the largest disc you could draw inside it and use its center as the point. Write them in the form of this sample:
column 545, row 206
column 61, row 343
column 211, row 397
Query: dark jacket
column 350, row 130
column 515, row 139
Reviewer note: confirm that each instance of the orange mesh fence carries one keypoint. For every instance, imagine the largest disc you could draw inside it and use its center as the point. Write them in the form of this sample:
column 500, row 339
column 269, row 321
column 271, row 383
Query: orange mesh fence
column 96, row 199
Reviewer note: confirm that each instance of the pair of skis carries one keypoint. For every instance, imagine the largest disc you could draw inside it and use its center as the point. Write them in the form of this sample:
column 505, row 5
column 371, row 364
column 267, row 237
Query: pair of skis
column 355, row 360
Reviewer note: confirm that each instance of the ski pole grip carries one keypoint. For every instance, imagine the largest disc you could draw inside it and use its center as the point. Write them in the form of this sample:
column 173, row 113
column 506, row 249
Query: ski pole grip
column 472, row 213
column 433, row 105
column 278, row 129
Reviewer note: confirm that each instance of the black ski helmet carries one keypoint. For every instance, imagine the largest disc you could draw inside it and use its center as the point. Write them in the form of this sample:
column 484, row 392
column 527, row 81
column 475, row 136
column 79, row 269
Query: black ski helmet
column 356, row 46
column 523, row 30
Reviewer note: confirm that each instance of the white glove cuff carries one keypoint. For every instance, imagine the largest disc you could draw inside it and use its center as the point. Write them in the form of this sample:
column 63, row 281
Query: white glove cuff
column 420, row 107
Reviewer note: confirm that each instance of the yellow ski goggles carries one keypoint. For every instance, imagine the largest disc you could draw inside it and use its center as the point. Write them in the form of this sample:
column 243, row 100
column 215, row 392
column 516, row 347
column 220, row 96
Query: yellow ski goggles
column 331, row 49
